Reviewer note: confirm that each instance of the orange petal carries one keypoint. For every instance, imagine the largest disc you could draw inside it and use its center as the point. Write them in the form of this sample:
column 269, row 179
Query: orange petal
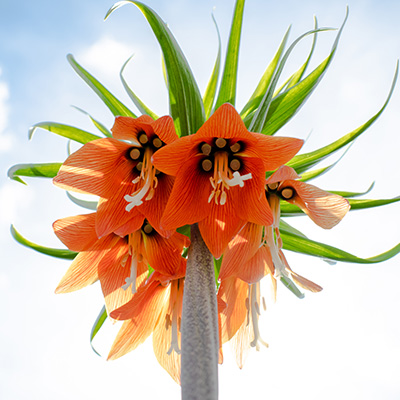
column 169, row 159
column 273, row 150
column 143, row 321
column 84, row 269
column 164, row 128
column 127, row 128
column 97, row 168
column 241, row 249
column 250, row 201
column 164, row 255
column 284, row 172
column 133, row 225
column 220, row 226
column 78, row 232
column 324, row 208
column 233, row 292
column 257, row 267
column 188, row 202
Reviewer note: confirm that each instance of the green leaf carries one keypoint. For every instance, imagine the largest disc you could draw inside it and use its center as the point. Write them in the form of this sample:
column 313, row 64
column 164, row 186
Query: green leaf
column 209, row 95
column 265, row 80
column 90, row 205
column 260, row 117
column 227, row 90
column 67, row 131
column 283, row 225
column 186, row 104
column 352, row 194
column 304, row 161
column 303, row 245
column 59, row 253
column 97, row 326
column 291, row 286
column 113, row 104
column 105, row 131
column 47, row 170
column 138, row 103
column 284, row 106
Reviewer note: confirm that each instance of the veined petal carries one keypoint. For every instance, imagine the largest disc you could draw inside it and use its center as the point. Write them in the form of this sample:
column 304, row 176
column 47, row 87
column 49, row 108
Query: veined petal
column 220, row 226
column 78, row 232
column 127, row 128
column 164, row 128
column 97, row 168
column 164, row 255
column 257, row 267
column 324, row 208
column 233, row 292
column 169, row 159
column 273, row 150
column 188, row 202
column 284, row 172
column 240, row 250
column 143, row 319
column 133, row 225
column 250, row 201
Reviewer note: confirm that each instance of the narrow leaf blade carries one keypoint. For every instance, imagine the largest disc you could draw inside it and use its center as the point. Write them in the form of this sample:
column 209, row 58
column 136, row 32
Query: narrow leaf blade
column 47, row 170
column 101, row 318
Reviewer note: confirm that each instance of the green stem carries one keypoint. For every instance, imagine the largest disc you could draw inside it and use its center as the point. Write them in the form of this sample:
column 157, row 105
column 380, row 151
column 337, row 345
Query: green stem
column 200, row 347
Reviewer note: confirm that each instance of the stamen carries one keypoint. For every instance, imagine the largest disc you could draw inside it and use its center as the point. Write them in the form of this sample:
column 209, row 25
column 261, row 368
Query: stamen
column 157, row 143
column 207, row 165
column 220, row 143
column 131, row 280
column 287, row 193
column 139, row 166
column 134, row 153
column 206, row 149
column 235, row 148
column 143, row 139
column 255, row 313
column 235, row 164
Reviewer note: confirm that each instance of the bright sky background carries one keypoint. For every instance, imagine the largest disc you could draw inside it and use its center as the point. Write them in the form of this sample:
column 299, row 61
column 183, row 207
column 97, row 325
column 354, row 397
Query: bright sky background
column 340, row 343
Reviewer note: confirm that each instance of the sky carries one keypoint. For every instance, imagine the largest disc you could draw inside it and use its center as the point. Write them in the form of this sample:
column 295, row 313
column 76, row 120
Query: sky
column 340, row 343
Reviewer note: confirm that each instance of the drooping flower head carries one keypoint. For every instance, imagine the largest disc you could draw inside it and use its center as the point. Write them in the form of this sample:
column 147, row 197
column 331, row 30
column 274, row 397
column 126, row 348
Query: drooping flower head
column 119, row 263
column 220, row 177
column 119, row 170
column 156, row 308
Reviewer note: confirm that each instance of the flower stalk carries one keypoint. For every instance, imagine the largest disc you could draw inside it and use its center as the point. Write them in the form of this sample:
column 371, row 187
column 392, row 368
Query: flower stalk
column 200, row 345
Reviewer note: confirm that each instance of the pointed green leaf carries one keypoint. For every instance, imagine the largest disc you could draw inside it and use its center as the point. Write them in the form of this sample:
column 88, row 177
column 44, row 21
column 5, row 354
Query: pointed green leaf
column 304, row 161
column 59, row 253
column 90, row 205
column 97, row 326
column 105, row 131
column 352, row 194
column 303, row 245
column 113, row 104
column 227, row 90
column 283, row 225
column 67, row 131
column 209, row 95
column 186, row 104
column 260, row 117
column 138, row 103
column 284, row 106
column 47, row 170
column 265, row 80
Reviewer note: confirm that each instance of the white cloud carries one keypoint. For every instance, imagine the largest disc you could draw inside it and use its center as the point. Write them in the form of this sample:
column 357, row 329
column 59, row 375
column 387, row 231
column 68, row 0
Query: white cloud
column 5, row 140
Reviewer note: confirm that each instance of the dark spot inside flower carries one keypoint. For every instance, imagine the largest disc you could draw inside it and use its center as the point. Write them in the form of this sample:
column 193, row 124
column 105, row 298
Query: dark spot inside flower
column 139, row 166
column 135, row 153
column 235, row 164
column 142, row 137
column 273, row 186
column 287, row 193
column 206, row 165
column 147, row 228
column 157, row 143
column 206, row 149
column 220, row 143
column 236, row 147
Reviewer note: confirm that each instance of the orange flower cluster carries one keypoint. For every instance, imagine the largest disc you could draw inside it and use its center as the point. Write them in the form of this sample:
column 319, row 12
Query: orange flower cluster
column 150, row 183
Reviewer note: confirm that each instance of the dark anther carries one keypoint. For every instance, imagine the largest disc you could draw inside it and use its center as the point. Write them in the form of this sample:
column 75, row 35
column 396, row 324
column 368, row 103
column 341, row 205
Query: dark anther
column 220, row 142
column 206, row 164
column 148, row 229
column 206, row 149
column 139, row 166
column 134, row 153
column 273, row 186
column 235, row 164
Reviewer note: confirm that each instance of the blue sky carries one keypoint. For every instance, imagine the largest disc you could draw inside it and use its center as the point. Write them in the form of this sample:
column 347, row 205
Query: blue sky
column 340, row 343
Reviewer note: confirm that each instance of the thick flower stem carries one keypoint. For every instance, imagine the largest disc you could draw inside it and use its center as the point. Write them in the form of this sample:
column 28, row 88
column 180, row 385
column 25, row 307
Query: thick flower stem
column 199, row 376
